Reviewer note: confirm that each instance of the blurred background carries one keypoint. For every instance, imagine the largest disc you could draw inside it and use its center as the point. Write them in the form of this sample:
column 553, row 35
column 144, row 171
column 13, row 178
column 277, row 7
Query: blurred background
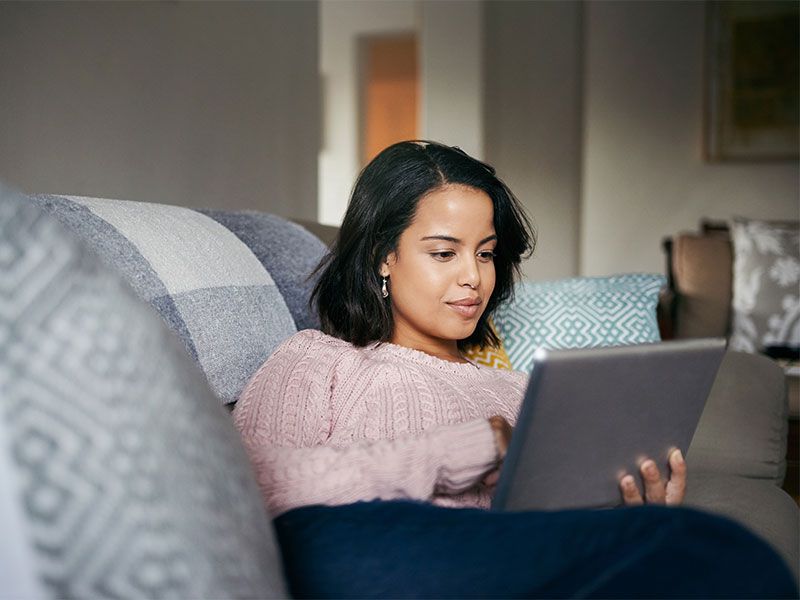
column 615, row 123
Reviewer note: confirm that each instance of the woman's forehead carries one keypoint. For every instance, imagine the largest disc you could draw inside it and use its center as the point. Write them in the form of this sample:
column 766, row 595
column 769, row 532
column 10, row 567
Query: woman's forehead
column 457, row 201
column 456, row 206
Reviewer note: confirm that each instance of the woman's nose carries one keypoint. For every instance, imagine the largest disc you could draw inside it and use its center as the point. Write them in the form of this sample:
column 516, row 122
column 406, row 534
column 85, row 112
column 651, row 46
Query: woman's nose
column 470, row 274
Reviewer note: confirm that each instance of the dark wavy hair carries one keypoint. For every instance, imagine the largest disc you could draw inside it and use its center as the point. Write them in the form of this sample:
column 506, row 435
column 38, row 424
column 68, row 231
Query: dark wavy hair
column 383, row 203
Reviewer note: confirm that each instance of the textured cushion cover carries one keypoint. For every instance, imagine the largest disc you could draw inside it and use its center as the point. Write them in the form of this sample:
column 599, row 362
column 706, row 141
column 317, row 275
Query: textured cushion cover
column 134, row 480
column 288, row 251
column 489, row 356
column 205, row 282
column 582, row 312
column 766, row 294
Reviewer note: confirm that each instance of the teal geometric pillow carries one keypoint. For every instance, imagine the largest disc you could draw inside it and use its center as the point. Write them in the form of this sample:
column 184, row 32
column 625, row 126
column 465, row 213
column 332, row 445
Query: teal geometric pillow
column 582, row 312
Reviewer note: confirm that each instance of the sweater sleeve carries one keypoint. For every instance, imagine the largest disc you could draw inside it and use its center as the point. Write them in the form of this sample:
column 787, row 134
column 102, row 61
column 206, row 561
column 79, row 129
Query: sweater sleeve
column 284, row 416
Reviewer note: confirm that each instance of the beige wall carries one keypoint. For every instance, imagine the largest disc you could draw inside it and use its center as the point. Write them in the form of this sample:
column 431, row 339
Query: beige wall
column 592, row 112
column 451, row 98
column 643, row 172
column 194, row 103
column 342, row 22
column 533, row 121
column 452, row 73
column 594, row 116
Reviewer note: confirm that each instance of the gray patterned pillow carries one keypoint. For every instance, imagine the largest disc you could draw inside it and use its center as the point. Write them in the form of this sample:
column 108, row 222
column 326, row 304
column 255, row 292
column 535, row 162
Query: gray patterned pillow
column 132, row 480
column 766, row 284
column 201, row 277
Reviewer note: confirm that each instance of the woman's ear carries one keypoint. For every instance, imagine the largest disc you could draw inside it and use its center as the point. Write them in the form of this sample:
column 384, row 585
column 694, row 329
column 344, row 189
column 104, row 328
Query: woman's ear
column 391, row 258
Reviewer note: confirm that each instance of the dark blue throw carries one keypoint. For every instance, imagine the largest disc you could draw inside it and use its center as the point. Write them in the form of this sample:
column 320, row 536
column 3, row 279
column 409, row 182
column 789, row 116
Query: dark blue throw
column 405, row 549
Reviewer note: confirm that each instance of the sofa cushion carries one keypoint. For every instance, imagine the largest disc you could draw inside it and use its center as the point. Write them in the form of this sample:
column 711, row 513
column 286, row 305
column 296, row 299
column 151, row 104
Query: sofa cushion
column 489, row 356
column 289, row 252
column 766, row 273
column 701, row 266
column 132, row 479
column 582, row 312
column 205, row 283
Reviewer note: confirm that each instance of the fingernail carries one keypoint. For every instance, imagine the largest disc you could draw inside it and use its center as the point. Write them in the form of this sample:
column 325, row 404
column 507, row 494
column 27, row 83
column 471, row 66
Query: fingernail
column 649, row 467
column 678, row 457
column 627, row 481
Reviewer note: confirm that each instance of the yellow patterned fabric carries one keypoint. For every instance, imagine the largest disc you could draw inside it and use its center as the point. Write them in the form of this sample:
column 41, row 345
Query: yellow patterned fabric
column 490, row 357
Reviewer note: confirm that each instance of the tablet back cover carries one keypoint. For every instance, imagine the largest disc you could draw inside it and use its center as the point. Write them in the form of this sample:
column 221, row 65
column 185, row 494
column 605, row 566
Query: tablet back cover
column 591, row 415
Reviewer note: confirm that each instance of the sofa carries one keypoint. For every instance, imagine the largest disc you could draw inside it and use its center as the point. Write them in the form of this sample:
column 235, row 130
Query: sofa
column 697, row 303
column 127, row 330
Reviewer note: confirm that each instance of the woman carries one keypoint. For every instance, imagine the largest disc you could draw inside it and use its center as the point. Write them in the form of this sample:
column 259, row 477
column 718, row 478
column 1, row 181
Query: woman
column 382, row 405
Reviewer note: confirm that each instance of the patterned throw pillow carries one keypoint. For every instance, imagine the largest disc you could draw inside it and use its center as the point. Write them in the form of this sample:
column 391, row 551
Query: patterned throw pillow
column 232, row 286
column 488, row 356
column 581, row 312
column 766, row 273
column 133, row 482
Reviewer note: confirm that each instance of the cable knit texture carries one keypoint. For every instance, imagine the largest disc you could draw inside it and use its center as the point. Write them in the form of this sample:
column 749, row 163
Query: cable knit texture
column 326, row 422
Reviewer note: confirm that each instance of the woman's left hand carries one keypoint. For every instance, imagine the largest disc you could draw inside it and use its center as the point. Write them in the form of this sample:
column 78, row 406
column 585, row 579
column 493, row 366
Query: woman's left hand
column 656, row 490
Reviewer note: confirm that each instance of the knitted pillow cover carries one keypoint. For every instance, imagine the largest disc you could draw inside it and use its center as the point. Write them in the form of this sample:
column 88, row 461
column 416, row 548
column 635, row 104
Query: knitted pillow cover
column 582, row 312
column 132, row 480
column 766, row 273
column 207, row 275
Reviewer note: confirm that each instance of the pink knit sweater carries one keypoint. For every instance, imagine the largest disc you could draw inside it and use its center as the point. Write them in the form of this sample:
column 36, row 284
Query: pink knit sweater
column 326, row 422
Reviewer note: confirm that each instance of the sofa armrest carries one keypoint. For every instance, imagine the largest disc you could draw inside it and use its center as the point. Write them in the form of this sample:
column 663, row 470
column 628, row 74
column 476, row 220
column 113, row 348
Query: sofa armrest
column 763, row 508
column 744, row 426
column 326, row 233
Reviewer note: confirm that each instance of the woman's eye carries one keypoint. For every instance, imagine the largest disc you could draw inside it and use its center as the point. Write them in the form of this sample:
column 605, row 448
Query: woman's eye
column 486, row 255
column 443, row 255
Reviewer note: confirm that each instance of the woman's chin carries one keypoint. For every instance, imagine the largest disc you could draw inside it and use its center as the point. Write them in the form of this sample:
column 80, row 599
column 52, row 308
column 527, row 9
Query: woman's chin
column 460, row 332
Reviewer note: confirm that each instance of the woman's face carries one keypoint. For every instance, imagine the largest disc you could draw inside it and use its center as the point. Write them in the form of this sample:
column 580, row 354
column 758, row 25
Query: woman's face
column 442, row 275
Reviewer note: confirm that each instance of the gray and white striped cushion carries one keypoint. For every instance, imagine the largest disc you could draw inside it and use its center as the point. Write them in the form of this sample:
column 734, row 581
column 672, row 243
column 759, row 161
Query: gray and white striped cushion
column 202, row 277
column 131, row 478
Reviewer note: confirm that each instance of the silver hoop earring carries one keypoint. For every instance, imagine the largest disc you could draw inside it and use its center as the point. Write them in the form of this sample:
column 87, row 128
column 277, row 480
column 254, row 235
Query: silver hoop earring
column 384, row 291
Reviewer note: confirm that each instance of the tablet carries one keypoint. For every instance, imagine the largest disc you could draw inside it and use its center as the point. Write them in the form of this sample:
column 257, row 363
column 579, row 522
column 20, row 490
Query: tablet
column 591, row 415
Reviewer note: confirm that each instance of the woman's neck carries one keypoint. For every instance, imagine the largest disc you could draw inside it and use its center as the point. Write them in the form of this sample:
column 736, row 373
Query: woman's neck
column 443, row 349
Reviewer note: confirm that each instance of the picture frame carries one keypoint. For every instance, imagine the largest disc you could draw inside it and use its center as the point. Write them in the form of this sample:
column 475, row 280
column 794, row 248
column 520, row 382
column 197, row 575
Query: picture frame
column 752, row 104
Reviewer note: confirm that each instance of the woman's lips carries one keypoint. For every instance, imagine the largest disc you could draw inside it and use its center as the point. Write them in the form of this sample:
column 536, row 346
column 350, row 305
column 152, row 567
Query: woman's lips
column 465, row 309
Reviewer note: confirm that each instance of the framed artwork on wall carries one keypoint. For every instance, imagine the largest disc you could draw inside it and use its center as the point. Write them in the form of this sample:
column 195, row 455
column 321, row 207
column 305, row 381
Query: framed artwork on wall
column 752, row 78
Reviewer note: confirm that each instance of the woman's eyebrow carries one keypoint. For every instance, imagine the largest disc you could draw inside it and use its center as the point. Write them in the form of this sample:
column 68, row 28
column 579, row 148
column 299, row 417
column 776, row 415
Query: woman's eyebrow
column 449, row 238
column 444, row 238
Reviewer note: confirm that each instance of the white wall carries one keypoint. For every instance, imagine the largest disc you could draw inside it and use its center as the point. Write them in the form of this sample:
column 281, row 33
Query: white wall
column 341, row 24
column 451, row 52
column 451, row 100
column 196, row 103
column 533, row 121
column 643, row 172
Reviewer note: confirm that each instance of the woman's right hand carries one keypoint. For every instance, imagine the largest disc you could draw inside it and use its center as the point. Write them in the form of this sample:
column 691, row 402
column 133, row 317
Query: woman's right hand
column 502, row 434
column 502, row 437
column 657, row 491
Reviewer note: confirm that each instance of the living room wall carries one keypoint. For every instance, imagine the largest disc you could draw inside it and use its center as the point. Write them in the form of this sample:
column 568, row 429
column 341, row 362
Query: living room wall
column 594, row 116
column 205, row 104
column 450, row 42
column 532, row 119
column 643, row 172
